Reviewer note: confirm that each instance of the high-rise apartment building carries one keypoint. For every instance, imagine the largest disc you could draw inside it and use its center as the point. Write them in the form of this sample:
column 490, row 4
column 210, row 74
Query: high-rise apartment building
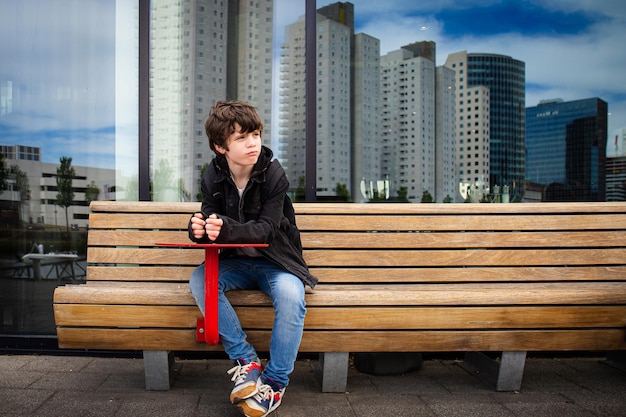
column 472, row 131
column 250, row 45
column 616, row 166
column 418, row 122
column 446, row 178
column 566, row 148
column 202, row 51
column 366, row 143
column 499, row 82
column 347, row 109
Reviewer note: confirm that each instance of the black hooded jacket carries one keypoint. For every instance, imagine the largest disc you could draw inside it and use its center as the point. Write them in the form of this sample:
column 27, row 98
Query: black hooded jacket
column 264, row 213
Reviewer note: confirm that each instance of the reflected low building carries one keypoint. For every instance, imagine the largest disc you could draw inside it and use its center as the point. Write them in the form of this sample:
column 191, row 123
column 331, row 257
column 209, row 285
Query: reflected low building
column 41, row 209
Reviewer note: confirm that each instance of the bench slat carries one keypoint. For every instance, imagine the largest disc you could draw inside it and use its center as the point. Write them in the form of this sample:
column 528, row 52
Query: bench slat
column 472, row 257
column 353, row 240
column 463, row 341
column 103, row 315
column 135, row 273
column 359, row 208
column 364, row 222
column 383, row 258
column 99, row 237
column 376, row 341
column 462, row 274
column 143, row 256
column 151, row 220
column 461, row 222
column 374, row 318
column 365, row 275
column 143, row 207
column 366, row 295
column 151, row 294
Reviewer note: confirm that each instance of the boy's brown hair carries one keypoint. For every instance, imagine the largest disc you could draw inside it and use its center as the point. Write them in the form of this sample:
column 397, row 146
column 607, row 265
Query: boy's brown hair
column 220, row 122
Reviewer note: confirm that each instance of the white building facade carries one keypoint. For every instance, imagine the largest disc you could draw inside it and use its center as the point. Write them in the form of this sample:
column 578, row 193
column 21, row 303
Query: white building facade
column 472, row 132
column 347, row 103
column 418, row 123
column 203, row 51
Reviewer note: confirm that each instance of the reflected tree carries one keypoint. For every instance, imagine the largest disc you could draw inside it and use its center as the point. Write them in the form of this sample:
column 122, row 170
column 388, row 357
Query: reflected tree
column 65, row 193
column 403, row 194
column 4, row 175
column 22, row 185
column 163, row 181
column 300, row 191
column 342, row 192
column 91, row 192
column 427, row 197
column 131, row 192
column 204, row 167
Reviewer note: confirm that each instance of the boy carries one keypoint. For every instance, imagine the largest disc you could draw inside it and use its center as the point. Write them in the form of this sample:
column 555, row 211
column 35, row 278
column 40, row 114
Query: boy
column 244, row 200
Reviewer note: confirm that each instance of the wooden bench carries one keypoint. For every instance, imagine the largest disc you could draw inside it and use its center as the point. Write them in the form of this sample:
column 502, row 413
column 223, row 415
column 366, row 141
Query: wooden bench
column 498, row 278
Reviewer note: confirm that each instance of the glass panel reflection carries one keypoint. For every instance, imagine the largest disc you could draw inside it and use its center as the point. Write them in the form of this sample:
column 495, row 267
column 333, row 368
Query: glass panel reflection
column 202, row 51
column 67, row 105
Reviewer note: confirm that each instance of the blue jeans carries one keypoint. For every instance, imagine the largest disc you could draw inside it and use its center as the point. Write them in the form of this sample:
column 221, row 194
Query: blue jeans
column 287, row 294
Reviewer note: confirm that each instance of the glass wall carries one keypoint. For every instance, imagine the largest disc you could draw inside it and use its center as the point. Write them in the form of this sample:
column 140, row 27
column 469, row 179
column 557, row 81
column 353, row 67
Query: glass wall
column 68, row 135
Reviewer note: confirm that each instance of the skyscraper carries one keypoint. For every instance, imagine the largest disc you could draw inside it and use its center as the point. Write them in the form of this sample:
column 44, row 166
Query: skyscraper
column 347, row 109
column 566, row 148
column 418, row 122
column 500, row 80
column 202, row 51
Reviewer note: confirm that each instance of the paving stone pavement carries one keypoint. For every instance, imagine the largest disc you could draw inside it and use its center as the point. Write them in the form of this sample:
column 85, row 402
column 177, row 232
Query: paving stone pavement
column 80, row 386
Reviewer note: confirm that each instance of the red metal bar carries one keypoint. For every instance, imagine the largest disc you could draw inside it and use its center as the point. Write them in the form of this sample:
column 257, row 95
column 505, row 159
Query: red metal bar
column 211, row 275
column 206, row 327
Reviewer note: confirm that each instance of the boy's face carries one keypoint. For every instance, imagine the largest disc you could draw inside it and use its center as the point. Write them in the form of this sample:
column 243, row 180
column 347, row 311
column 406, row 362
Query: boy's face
column 241, row 149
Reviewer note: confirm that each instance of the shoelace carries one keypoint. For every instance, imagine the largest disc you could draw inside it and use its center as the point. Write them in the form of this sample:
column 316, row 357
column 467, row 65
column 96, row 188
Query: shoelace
column 266, row 392
column 240, row 372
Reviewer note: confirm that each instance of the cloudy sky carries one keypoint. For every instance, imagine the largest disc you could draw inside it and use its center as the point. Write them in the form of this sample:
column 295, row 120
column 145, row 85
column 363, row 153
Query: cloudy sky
column 58, row 74
column 573, row 49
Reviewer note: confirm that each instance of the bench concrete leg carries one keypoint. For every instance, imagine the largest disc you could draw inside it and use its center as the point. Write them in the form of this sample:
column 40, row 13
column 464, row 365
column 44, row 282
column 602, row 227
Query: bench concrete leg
column 334, row 371
column 158, row 366
column 503, row 375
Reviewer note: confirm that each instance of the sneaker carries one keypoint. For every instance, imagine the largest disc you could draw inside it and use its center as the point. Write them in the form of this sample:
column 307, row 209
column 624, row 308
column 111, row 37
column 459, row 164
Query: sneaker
column 264, row 402
column 246, row 378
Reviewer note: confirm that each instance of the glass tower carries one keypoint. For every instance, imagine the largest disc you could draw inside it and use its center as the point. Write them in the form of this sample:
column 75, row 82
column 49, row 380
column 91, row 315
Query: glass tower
column 505, row 77
column 566, row 148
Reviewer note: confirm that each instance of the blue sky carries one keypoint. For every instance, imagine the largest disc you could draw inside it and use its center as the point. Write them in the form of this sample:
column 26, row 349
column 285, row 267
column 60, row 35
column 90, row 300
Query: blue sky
column 515, row 17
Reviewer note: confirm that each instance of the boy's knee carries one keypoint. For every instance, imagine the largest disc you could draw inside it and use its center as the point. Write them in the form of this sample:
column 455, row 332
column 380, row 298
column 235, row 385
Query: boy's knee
column 291, row 295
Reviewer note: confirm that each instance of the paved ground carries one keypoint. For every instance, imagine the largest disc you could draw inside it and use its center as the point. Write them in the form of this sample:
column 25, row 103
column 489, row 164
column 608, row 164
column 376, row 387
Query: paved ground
column 86, row 386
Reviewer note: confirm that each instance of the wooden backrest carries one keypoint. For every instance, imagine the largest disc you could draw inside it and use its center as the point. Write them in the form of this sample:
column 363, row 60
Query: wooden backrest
column 348, row 243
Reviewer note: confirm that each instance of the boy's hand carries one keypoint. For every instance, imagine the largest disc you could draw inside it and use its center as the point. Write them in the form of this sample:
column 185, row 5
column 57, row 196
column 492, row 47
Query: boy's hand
column 213, row 226
column 197, row 225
